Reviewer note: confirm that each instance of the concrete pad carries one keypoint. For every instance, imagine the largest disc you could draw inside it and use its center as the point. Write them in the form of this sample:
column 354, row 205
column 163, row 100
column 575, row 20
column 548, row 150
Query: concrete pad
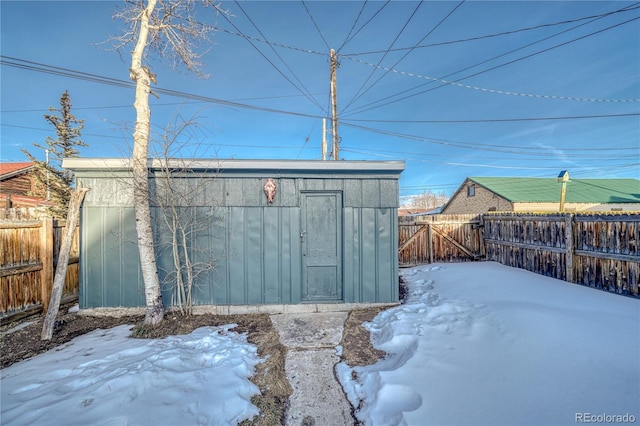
column 314, row 330
column 317, row 397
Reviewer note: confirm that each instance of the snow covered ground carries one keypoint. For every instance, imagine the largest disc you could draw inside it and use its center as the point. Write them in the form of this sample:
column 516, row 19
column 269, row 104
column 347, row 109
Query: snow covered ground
column 476, row 344
column 106, row 378
column 485, row 344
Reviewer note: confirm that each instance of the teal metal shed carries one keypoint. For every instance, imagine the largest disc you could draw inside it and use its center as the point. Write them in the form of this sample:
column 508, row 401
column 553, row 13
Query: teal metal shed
column 276, row 232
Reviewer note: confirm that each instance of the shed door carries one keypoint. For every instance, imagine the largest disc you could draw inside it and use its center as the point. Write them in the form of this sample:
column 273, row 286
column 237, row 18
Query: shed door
column 321, row 239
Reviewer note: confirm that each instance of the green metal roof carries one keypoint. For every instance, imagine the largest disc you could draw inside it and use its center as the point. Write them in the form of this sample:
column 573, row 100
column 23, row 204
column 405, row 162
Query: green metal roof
column 518, row 190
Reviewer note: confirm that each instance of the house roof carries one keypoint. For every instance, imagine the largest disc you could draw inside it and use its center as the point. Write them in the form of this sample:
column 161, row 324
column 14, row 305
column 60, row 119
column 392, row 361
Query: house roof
column 8, row 170
column 602, row 191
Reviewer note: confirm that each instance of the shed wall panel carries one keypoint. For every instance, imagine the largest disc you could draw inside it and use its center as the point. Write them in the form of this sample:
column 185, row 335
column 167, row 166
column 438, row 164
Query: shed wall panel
column 220, row 253
column 370, row 193
column 352, row 193
column 368, row 256
column 255, row 246
column 253, row 251
column 272, row 251
column 237, row 256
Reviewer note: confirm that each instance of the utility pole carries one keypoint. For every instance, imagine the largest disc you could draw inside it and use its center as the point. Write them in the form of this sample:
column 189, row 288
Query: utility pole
column 324, row 139
column 334, row 104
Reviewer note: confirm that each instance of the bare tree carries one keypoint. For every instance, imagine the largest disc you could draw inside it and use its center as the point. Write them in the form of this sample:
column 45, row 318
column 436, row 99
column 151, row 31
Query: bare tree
column 170, row 30
column 427, row 200
column 185, row 207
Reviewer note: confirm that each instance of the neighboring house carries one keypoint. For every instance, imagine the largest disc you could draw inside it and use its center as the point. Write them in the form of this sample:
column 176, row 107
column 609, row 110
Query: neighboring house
column 19, row 187
column 280, row 232
column 516, row 194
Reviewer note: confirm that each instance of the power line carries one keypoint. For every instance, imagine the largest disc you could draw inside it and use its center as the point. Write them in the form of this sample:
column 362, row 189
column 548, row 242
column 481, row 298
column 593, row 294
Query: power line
column 404, row 27
column 305, row 91
column 316, row 25
column 348, row 39
column 498, row 120
column 153, row 104
column 488, row 166
column 456, row 82
column 364, row 4
column 406, row 54
column 95, row 78
column 464, row 40
column 465, row 145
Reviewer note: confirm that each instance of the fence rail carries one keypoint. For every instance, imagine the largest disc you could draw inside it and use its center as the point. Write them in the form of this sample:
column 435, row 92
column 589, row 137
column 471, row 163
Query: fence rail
column 595, row 250
column 28, row 252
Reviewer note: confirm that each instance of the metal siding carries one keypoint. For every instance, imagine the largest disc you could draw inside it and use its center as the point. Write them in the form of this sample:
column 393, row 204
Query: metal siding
column 92, row 265
column 385, row 257
column 287, row 242
column 312, row 184
column 389, row 193
column 370, row 193
column 287, row 195
column 252, row 192
column 233, row 192
column 237, row 256
column 256, row 246
column 271, row 231
column 215, row 192
column 201, row 254
column 353, row 193
column 219, row 283
column 163, row 250
column 349, row 257
column 368, row 255
column 111, row 285
column 253, row 261
column 295, row 262
column 333, row 185
column 130, row 273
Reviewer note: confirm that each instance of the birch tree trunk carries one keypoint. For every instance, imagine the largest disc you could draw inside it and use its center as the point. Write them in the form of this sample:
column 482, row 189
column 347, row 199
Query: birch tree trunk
column 63, row 262
column 142, row 76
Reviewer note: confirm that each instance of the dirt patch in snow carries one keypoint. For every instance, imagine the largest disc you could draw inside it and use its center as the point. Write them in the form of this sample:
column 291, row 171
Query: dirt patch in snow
column 270, row 377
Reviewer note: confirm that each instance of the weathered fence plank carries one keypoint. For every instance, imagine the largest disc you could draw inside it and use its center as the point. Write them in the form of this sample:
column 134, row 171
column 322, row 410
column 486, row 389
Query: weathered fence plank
column 597, row 250
column 27, row 261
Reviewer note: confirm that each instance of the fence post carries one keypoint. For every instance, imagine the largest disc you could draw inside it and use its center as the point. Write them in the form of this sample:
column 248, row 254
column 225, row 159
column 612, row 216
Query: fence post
column 430, row 242
column 569, row 246
column 46, row 257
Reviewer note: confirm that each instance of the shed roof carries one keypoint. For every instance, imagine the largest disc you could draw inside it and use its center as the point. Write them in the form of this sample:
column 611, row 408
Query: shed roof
column 522, row 190
column 264, row 166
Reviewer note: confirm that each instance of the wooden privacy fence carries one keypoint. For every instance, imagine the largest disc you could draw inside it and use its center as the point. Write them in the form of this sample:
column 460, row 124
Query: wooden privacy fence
column 439, row 238
column 28, row 252
column 597, row 250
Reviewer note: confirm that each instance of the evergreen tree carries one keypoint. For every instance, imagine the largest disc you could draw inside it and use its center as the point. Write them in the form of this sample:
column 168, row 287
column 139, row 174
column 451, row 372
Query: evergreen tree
column 56, row 181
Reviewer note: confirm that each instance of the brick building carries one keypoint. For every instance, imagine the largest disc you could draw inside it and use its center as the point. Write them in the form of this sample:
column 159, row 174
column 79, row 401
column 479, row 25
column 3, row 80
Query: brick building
column 515, row 194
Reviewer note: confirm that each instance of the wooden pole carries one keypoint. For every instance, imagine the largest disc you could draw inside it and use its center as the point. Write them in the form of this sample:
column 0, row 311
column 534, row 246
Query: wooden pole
column 46, row 257
column 63, row 262
column 334, row 105
column 569, row 246
column 324, row 139
column 563, row 194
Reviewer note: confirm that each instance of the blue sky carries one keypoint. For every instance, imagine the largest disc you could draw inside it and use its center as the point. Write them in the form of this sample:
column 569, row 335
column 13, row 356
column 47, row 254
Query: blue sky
column 455, row 89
